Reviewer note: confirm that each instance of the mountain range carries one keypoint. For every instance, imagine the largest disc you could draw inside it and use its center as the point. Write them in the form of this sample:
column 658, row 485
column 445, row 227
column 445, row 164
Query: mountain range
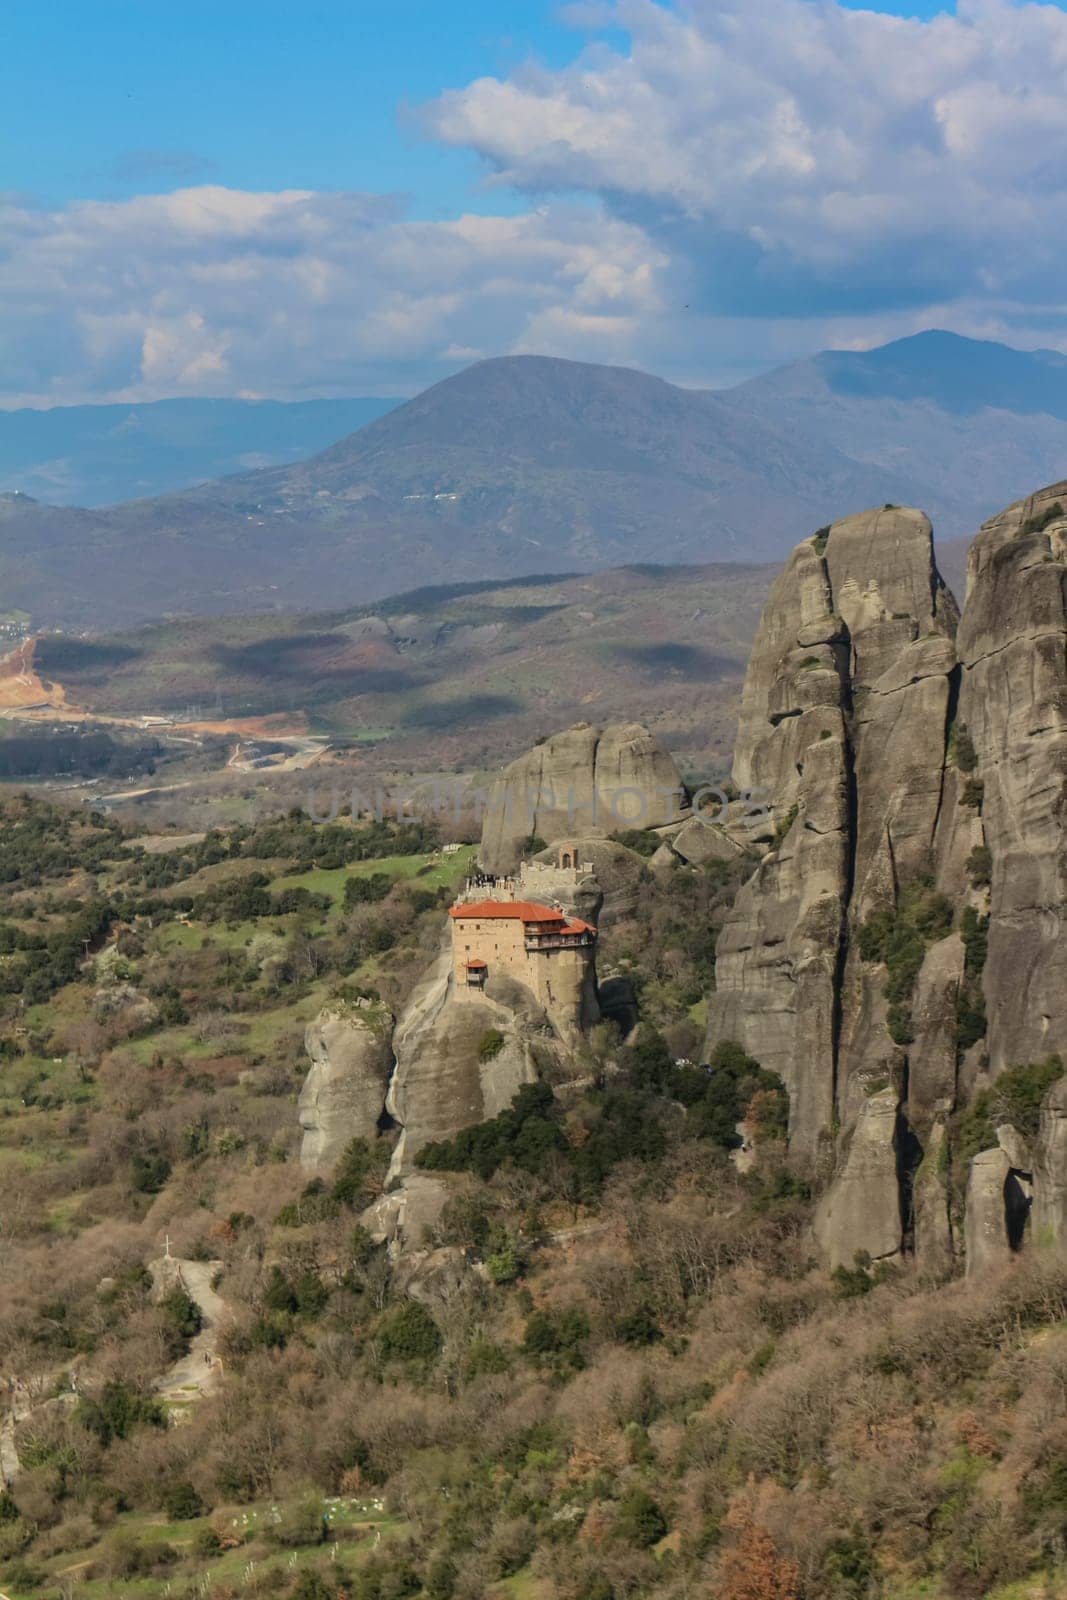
column 529, row 464
column 96, row 455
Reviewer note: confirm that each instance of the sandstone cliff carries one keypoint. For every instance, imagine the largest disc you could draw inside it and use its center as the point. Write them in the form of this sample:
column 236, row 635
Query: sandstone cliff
column 843, row 734
column 587, row 781
column 350, row 1047
column 1013, row 646
column 901, row 942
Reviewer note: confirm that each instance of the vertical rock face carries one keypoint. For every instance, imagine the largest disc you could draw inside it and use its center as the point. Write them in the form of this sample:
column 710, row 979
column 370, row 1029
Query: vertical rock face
column 860, row 1212
column 586, row 782
column 932, row 1055
column 1049, row 1214
column 843, row 733
column 985, row 1225
column 442, row 1082
column 905, row 936
column 1013, row 646
column 934, row 1250
column 344, row 1093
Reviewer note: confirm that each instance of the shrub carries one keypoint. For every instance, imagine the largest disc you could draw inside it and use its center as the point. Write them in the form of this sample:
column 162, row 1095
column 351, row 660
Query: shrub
column 149, row 1173
column 505, row 1262
column 1015, row 1097
column 849, row 1565
column 361, row 891
column 640, row 1520
column 557, row 1338
column 182, row 1318
column 408, row 1333
column 119, row 1409
column 357, row 1171
column 641, row 840
column 490, row 1044
column 301, row 1523
column 311, row 1585
column 182, row 1503
column 525, row 1134
column 1041, row 519
column 899, row 938
column 980, row 866
column 961, row 751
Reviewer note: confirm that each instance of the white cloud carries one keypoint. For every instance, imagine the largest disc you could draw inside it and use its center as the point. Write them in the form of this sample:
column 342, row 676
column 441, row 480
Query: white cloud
column 796, row 157
column 742, row 182
column 217, row 291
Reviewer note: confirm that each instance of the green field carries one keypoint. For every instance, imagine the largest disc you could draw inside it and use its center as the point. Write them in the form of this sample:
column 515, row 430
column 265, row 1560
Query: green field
column 352, row 1529
column 432, row 872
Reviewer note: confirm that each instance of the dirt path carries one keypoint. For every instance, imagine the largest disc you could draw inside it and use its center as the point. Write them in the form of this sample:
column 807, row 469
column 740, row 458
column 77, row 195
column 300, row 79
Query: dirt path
column 20, row 685
column 199, row 1370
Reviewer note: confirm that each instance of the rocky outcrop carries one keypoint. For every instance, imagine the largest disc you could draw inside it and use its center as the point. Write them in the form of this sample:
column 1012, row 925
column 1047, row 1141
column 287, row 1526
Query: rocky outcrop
column 860, row 1211
column 1013, row 700
column 931, row 1211
column 843, row 735
column 932, row 1053
column 405, row 1217
column 1049, row 1214
column 903, row 771
column 985, row 1229
column 350, row 1046
column 443, row 1081
column 589, row 781
column 608, row 892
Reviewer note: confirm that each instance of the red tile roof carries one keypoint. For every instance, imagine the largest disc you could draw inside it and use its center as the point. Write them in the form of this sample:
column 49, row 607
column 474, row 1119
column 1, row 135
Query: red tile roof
column 528, row 910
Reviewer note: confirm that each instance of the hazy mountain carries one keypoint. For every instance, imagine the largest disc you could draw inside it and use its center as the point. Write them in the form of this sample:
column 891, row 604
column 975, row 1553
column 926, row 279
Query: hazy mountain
column 95, row 455
column 962, row 426
column 528, row 464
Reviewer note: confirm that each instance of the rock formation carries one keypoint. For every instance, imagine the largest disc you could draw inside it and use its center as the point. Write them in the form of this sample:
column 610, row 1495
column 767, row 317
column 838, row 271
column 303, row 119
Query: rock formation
column 843, row 734
column 1049, row 1214
column 344, row 1093
column 985, row 1226
column 455, row 1057
column 860, row 1212
column 440, row 1082
column 588, row 781
column 902, row 940
column 1013, row 699
column 931, row 1209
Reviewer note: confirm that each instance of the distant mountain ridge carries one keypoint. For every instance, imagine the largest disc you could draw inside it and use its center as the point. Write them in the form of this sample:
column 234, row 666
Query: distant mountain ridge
column 528, row 464
column 97, row 455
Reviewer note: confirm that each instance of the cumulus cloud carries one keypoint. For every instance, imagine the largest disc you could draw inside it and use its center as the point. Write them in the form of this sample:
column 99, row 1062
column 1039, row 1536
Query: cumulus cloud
column 797, row 158
column 734, row 185
column 219, row 291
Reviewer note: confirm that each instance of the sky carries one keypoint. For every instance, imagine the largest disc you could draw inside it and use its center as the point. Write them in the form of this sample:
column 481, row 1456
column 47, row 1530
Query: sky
column 359, row 197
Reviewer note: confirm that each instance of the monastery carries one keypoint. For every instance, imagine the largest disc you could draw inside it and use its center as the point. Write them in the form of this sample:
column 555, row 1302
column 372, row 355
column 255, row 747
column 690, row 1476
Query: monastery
column 517, row 927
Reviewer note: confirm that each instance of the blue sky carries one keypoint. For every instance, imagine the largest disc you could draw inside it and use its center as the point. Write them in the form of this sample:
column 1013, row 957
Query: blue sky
column 361, row 196
column 119, row 97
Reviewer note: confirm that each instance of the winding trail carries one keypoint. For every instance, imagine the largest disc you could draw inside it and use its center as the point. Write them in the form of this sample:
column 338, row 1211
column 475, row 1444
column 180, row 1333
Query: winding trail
column 198, row 1371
